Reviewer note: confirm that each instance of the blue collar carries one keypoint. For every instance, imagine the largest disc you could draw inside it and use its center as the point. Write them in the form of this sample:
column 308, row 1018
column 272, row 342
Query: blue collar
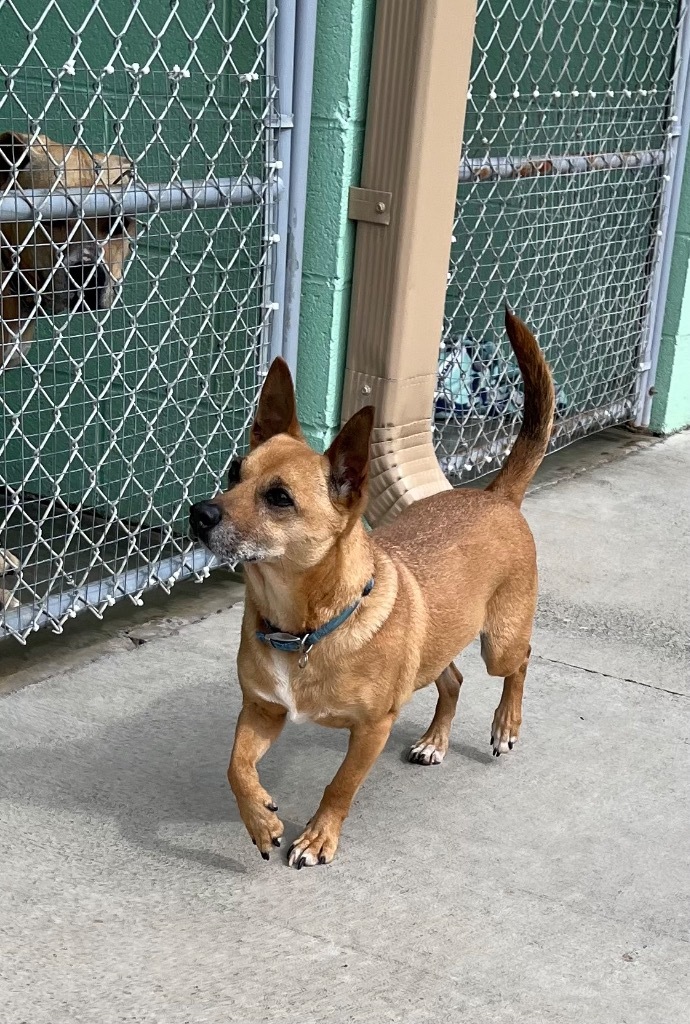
column 302, row 643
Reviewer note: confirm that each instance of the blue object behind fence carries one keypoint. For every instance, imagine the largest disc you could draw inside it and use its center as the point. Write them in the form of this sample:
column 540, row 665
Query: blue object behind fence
column 474, row 377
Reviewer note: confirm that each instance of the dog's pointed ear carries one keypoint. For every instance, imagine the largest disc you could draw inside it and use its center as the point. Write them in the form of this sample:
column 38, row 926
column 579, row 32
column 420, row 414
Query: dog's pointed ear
column 277, row 410
column 349, row 458
column 14, row 155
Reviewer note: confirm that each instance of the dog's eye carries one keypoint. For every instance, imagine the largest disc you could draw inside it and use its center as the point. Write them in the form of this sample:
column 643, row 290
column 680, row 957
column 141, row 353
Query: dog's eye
column 278, row 497
column 234, row 472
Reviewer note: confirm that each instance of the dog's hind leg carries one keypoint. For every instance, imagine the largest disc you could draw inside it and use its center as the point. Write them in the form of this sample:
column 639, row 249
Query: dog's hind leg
column 506, row 651
column 505, row 728
column 432, row 746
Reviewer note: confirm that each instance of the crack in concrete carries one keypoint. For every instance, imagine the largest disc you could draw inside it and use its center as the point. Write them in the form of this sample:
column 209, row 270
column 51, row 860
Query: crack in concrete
column 609, row 675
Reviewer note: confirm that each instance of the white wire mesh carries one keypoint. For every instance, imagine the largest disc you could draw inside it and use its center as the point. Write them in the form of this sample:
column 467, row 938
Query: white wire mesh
column 568, row 120
column 122, row 412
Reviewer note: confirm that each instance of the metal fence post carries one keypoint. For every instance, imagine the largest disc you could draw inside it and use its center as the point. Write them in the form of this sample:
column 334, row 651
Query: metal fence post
column 676, row 153
column 418, row 89
column 284, row 70
column 305, row 42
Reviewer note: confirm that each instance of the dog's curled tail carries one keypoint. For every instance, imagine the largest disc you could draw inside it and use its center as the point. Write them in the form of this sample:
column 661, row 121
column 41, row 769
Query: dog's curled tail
column 537, row 416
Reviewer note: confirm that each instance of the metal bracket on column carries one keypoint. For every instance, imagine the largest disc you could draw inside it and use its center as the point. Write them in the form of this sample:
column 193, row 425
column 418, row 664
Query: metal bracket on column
column 279, row 122
column 370, row 205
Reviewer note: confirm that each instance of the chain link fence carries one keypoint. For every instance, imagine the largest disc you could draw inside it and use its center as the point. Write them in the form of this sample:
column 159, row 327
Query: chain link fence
column 138, row 187
column 567, row 132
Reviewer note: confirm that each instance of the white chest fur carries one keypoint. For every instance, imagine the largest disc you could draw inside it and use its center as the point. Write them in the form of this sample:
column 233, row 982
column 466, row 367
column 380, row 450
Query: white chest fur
column 282, row 686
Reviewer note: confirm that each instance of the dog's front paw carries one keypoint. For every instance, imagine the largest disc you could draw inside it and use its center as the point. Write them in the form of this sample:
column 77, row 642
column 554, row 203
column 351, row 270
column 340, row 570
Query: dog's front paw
column 263, row 824
column 316, row 845
column 504, row 732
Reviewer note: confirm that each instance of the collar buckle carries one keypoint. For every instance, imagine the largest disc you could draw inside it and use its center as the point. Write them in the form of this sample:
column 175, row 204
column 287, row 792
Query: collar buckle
column 280, row 637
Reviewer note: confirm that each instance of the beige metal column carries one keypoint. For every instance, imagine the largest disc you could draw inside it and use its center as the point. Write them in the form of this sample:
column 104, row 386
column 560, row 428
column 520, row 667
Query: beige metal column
column 404, row 208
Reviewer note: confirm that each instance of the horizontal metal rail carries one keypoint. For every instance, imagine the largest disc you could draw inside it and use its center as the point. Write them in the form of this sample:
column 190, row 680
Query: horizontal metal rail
column 136, row 198
column 489, row 168
column 57, row 607
column 490, row 454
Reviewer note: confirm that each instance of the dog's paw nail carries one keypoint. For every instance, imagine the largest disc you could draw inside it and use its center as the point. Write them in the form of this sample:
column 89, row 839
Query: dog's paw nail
column 510, row 744
column 425, row 754
column 322, row 858
column 300, row 863
column 276, row 840
column 254, row 842
column 491, row 741
column 271, row 807
column 264, row 855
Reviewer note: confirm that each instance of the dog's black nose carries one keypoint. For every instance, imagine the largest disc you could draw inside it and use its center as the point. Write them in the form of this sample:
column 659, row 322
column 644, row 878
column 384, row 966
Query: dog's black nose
column 90, row 279
column 204, row 515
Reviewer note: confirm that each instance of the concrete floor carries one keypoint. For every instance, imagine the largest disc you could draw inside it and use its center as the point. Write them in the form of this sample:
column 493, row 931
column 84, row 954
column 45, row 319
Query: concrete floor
column 550, row 885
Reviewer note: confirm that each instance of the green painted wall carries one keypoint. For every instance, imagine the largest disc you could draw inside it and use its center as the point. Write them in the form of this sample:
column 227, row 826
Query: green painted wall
column 343, row 48
column 671, row 406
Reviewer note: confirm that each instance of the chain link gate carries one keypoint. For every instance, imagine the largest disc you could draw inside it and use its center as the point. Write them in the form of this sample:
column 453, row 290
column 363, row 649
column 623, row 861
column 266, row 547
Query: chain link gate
column 138, row 187
column 569, row 136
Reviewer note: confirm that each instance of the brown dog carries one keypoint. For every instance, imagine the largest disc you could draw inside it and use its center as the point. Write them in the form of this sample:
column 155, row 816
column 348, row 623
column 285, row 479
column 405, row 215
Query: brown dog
column 55, row 266
column 342, row 626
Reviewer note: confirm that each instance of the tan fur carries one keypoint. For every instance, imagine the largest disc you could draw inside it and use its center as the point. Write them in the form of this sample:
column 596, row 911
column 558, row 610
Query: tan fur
column 41, row 250
column 9, row 564
column 452, row 566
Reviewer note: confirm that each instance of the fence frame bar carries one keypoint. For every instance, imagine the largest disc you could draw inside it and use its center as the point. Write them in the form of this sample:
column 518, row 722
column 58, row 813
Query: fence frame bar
column 284, row 56
column 74, row 203
column 670, row 199
column 100, row 594
column 305, row 48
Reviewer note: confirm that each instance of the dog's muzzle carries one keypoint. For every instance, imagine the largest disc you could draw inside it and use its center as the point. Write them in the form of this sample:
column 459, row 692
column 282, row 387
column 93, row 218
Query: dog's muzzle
column 203, row 516
column 81, row 282
column 88, row 283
